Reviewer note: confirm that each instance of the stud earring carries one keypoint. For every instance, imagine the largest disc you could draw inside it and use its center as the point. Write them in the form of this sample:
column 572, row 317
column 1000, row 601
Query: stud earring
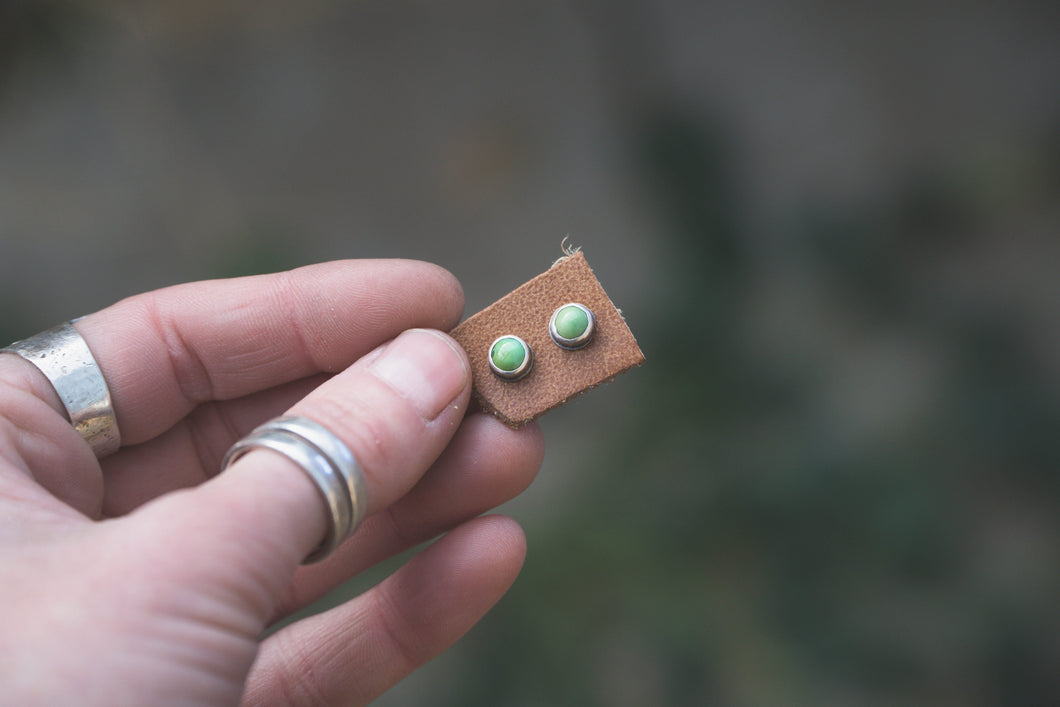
column 572, row 326
column 510, row 357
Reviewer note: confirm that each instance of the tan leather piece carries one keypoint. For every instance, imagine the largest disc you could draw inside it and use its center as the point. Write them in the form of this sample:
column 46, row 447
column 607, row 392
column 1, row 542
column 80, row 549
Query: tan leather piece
column 558, row 374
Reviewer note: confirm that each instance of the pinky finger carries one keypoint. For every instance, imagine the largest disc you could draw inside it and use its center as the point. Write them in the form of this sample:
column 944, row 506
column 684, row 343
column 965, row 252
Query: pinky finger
column 355, row 652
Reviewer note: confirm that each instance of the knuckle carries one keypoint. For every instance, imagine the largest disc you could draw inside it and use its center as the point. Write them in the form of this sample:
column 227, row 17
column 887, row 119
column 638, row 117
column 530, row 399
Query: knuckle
column 298, row 682
column 397, row 636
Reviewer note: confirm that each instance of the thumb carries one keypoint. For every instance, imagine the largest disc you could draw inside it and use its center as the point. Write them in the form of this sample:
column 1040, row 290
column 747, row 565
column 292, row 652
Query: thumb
column 247, row 530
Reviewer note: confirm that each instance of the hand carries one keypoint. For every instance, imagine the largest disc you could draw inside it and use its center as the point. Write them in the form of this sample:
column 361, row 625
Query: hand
column 147, row 578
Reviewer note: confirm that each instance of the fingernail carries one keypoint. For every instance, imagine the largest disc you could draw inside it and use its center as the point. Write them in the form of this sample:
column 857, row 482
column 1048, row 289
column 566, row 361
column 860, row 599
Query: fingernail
column 425, row 367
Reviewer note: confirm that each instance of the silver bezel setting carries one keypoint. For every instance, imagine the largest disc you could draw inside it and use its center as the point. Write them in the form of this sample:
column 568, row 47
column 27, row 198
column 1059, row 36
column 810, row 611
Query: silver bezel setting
column 519, row 372
column 577, row 342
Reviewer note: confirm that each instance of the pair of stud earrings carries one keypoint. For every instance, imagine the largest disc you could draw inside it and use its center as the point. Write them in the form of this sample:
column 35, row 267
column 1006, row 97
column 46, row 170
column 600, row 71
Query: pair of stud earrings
column 572, row 327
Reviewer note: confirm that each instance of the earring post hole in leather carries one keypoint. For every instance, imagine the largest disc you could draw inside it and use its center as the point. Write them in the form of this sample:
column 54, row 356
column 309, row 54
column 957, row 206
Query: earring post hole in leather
column 559, row 373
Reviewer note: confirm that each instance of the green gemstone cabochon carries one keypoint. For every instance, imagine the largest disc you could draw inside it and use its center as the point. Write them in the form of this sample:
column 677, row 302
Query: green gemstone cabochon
column 508, row 354
column 571, row 322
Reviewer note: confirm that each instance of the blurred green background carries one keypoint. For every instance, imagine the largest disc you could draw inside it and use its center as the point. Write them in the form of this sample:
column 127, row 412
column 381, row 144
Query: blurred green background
column 835, row 232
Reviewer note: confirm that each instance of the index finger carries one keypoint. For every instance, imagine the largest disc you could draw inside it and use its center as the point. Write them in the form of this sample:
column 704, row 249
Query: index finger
column 164, row 352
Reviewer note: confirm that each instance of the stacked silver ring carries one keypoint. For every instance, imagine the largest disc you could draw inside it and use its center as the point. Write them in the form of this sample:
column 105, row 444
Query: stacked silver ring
column 327, row 461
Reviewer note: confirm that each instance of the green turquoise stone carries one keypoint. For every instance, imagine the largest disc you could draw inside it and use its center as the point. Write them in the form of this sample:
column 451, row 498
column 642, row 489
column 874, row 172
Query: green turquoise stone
column 508, row 354
column 571, row 322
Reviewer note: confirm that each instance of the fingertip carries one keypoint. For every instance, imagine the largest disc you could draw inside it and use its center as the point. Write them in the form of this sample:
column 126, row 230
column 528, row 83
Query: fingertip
column 457, row 349
column 396, row 410
column 428, row 281
column 446, row 288
column 533, row 440
column 449, row 283
column 523, row 448
column 509, row 535
column 473, row 566
column 425, row 368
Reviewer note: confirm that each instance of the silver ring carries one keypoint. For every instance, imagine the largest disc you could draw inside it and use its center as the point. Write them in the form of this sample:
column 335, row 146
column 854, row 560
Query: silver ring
column 326, row 460
column 338, row 453
column 66, row 361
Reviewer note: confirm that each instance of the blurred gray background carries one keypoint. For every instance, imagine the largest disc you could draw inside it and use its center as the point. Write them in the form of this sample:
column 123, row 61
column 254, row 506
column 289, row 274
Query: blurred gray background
column 835, row 231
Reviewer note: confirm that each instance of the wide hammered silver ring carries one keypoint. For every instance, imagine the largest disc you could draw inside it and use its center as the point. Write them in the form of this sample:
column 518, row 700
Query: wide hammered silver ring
column 66, row 361
column 326, row 460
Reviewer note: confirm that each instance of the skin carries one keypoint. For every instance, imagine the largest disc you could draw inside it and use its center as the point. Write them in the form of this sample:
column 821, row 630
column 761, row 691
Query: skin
column 148, row 578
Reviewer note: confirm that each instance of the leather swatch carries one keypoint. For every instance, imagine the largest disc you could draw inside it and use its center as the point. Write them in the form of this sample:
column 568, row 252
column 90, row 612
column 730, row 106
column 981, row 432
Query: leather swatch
column 558, row 374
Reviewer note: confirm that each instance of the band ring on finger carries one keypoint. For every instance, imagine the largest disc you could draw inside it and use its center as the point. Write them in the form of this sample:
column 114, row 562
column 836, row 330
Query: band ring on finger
column 327, row 461
column 64, row 358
